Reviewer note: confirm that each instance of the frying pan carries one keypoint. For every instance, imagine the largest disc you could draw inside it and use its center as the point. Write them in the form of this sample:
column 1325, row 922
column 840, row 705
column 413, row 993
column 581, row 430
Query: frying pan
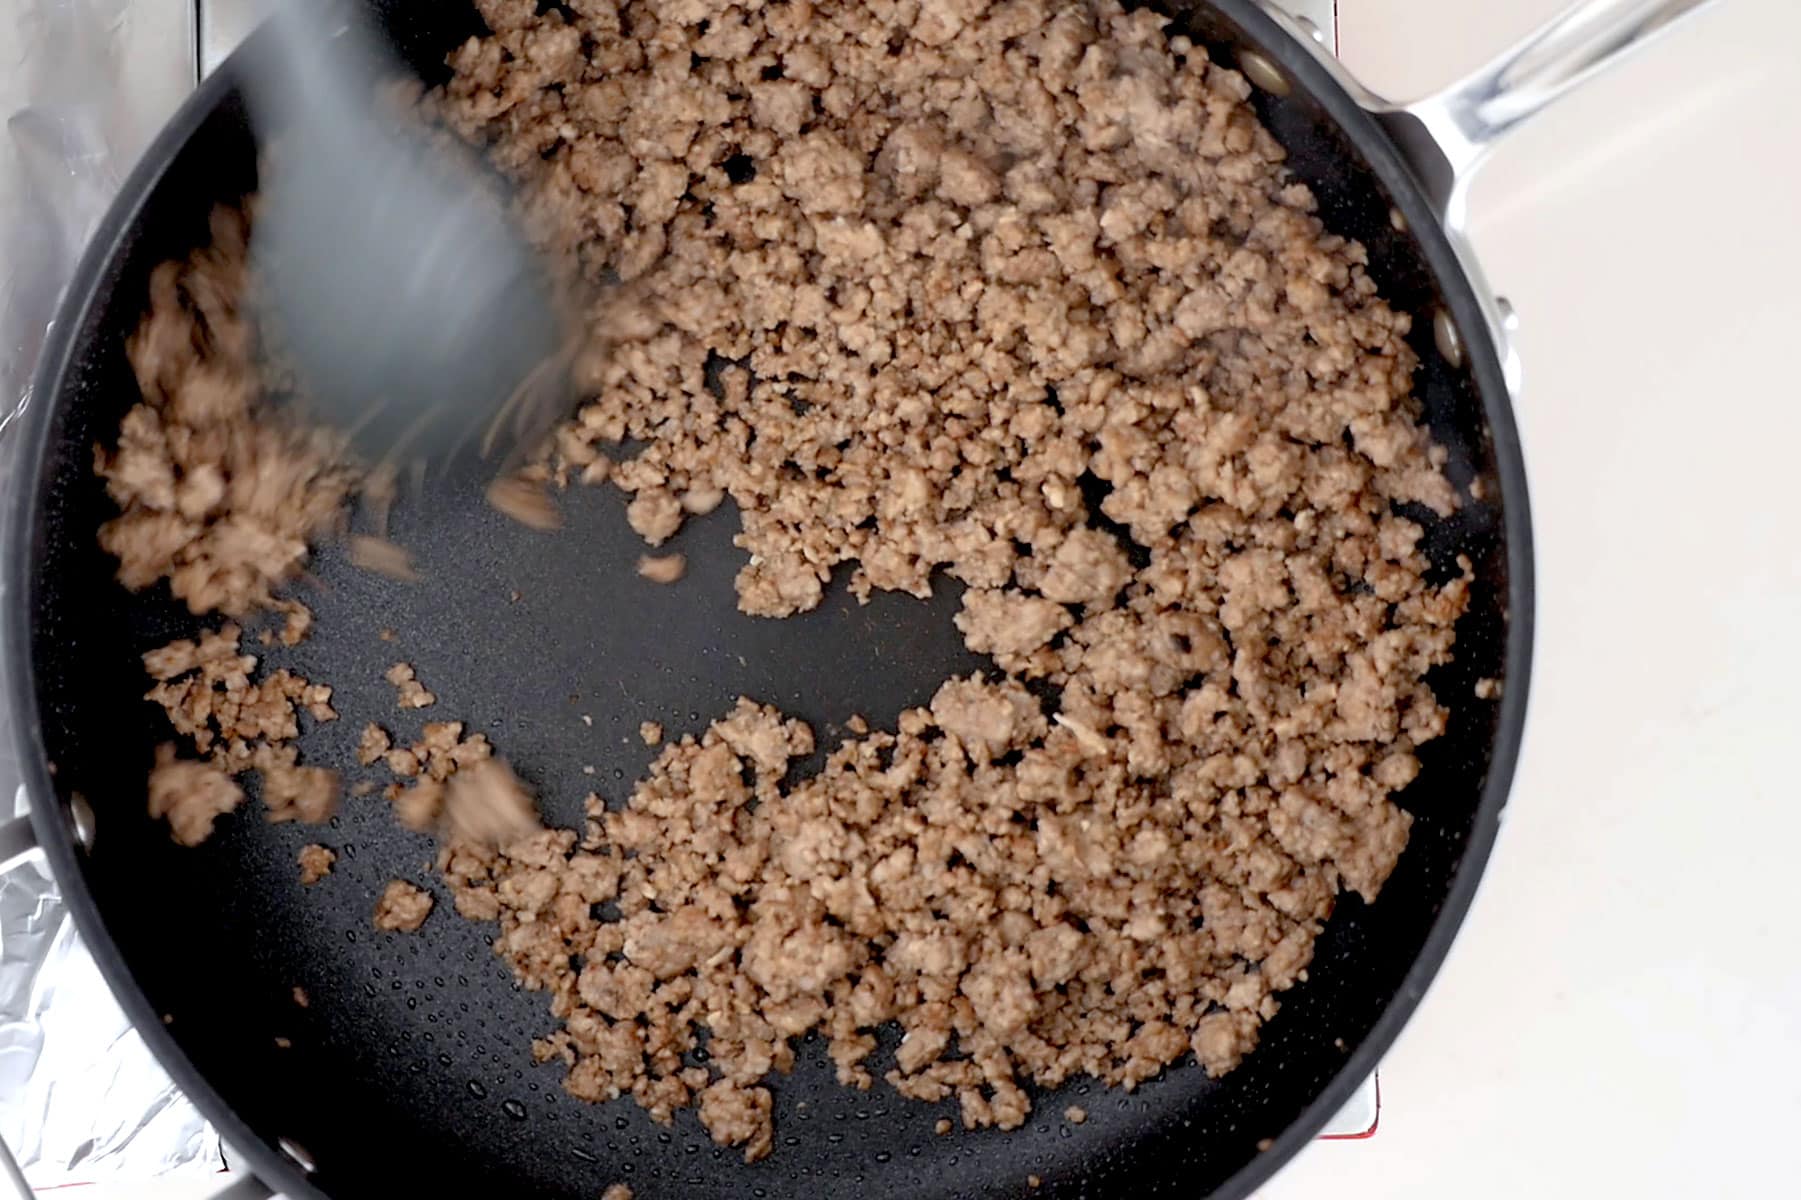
column 409, row 1070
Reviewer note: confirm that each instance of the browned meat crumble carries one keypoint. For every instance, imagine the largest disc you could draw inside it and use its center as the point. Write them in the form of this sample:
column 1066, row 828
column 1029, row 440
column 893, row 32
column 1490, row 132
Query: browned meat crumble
column 207, row 690
column 190, row 795
column 220, row 498
column 372, row 746
column 1018, row 292
column 410, row 692
column 525, row 501
column 1009, row 291
column 315, row 864
column 217, row 496
column 665, row 568
column 383, row 557
column 402, row 907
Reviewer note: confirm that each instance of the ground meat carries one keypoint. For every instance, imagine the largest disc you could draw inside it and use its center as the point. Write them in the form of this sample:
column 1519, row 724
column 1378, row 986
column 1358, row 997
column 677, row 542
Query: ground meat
column 373, row 745
column 217, row 495
column 485, row 804
column 295, row 793
column 301, row 999
column 402, row 907
column 315, row 864
column 297, row 623
column 737, row 1116
column 1023, row 293
column 207, row 689
column 1075, row 1114
column 651, row 733
column 667, row 568
column 490, row 804
column 411, row 693
column 525, row 501
column 1114, row 230
column 190, row 795
column 421, row 806
column 617, row 1191
column 382, row 557
column 1020, row 293
column 655, row 514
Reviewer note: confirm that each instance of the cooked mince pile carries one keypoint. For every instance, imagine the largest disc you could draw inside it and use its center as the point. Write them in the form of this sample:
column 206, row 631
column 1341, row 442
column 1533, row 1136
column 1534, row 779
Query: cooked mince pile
column 1015, row 293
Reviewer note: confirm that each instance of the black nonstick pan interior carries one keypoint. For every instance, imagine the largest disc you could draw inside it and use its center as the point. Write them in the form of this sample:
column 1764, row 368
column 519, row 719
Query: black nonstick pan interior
column 410, row 1071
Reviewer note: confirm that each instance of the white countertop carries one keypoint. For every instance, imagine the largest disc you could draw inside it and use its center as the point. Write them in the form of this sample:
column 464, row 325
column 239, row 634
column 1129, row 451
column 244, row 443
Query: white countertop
column 1620, row 1015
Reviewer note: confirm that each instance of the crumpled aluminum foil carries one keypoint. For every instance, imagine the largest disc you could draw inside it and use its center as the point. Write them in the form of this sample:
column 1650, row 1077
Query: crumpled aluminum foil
column 84, row 84
column 81, row 1098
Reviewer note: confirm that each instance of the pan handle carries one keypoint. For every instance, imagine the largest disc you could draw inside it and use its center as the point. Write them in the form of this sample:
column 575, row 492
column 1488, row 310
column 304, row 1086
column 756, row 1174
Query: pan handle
column 1447, row 135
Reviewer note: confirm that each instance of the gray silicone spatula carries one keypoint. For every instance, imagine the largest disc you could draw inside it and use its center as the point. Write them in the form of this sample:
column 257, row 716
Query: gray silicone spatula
column 394, row 276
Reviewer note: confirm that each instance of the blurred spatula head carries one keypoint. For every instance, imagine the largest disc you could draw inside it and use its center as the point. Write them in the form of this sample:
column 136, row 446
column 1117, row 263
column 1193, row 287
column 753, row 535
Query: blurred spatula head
column 417, row 316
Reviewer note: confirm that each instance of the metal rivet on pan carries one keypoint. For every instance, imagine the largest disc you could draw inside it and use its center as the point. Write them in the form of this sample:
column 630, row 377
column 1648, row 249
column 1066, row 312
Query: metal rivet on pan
column 1450, row 342
column 1398, row 219
column 1510, row 320
column 81, row 819
column 1262, row 72
column 1310, row 28
column 298, row 1153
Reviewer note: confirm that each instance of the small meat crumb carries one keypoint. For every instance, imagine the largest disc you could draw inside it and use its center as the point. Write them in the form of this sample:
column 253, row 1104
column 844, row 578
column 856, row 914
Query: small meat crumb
column 1488, row 689
column 701, row 501
column 1075, row 1114
column 373, row 744
column 1032, row 1181
column 737, row 1115
column 486, row 805
column 298, row 624
column 617, row 1191
column 419, row 807
column 383, row 558
column 596, row 472
column 942, row 1126
column 296, row 793
column 282, row 1043
column 665, row 568
column 651, row 732
column 413, row 694
column 402, row 907
column 526, row 502
column 315, row 863
column 190, row 795
column 301, row 998
column 655, row 515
